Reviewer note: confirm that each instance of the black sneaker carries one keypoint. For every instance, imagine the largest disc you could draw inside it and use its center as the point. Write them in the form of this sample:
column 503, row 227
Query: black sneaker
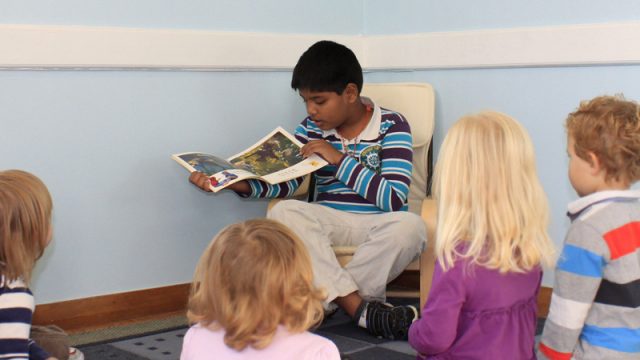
column 390, row 322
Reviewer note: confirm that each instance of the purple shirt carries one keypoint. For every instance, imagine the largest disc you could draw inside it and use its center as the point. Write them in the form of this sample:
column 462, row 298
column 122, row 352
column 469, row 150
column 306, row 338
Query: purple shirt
column 477, row 313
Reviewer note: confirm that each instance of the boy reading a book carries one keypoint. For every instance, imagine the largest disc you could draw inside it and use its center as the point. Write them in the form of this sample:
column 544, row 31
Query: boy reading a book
column 361, row 195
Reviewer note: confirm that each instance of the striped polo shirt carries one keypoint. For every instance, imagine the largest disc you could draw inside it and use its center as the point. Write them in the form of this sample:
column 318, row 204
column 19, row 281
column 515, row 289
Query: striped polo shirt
column 373, row 175
column 16, row 310
column 595, row 306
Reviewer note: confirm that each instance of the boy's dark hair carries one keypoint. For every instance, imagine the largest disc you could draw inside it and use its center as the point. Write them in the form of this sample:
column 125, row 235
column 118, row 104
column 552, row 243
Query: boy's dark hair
column 327, row 66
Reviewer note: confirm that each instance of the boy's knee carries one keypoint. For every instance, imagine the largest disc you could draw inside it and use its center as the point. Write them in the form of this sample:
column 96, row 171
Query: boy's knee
column 282, row 208
column 417, row 223
column 412, row 231
column 411, row 223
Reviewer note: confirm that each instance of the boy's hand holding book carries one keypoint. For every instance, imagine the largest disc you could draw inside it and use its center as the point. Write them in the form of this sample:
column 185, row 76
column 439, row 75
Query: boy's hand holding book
column 203, row 181
column 323, row 149
column 200, row 180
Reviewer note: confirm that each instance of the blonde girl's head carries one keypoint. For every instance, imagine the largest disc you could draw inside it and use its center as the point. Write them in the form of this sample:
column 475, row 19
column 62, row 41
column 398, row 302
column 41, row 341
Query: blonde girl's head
column 491, row 206
column 253, row 277
column 25, row 223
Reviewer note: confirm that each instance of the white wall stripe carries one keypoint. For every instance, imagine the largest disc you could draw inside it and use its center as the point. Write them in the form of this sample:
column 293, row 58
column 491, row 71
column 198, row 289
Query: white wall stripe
column 76, row 47
column 611, row 43
column 87, row 48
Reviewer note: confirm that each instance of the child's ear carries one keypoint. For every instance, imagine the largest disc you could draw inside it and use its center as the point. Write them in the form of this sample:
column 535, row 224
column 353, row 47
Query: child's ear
column 351, row 92
column 595, row 163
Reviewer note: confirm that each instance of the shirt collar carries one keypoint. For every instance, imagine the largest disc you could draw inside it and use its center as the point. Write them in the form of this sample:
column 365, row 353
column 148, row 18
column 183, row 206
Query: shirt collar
column 578, row 206
column 373, row 127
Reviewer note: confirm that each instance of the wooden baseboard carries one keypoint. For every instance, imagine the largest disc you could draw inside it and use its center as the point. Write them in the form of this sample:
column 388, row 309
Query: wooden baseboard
column 108, row 310
column 544, row 301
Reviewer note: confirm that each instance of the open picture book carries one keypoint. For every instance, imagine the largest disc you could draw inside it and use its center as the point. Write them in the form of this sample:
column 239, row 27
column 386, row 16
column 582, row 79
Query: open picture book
column 274, row 159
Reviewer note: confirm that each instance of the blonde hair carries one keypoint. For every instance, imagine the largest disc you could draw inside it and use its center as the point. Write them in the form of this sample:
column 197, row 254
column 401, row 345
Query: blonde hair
column 254, row 276
column 25, row 223
column 609, row 127
column 491, row 206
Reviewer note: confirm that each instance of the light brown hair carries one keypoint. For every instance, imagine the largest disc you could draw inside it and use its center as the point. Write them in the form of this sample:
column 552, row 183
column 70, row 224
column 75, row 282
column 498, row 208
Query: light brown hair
column 25, row 223
column 253, row 277
column 609, row 127
column 490, row 201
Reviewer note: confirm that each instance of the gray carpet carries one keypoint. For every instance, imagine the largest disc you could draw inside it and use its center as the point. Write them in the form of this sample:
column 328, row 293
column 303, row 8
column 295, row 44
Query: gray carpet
column 353, row 343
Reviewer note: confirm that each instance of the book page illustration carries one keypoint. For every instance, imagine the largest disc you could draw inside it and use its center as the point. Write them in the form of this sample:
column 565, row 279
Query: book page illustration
column 205, row 163
column 274, row 154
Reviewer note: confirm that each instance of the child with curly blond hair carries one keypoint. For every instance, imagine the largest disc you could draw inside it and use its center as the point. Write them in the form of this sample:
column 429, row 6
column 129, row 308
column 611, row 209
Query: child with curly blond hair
column 595, row 305
column 253, row 297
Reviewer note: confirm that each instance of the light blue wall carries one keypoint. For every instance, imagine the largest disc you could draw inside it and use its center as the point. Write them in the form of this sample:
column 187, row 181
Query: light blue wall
column 125, row 216
column 540, row 98
column 418, row 16
column 288, row 16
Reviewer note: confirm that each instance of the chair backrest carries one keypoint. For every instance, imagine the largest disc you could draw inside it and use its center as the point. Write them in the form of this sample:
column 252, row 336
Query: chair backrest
column 416, row 101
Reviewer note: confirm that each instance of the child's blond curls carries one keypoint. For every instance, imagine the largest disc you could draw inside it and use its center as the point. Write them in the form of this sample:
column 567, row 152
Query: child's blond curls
column 25, row 223
column 254, row 276
column 490, row 201
column 609, row 127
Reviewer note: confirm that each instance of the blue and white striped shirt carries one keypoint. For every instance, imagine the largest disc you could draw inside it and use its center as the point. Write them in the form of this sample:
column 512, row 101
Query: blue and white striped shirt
column 374, row 174
column 16, row 311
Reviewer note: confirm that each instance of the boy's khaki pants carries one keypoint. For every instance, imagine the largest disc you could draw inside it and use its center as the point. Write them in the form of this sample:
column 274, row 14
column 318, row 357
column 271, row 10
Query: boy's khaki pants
column 386, row 242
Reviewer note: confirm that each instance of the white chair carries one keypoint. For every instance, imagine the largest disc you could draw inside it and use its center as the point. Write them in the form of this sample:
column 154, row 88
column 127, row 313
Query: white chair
column 416, row 102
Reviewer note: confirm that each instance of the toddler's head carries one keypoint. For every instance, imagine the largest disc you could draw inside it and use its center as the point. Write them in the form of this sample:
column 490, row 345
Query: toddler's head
column 25, row 223
column 491, row 206
column 606, row 130
column 253, row 277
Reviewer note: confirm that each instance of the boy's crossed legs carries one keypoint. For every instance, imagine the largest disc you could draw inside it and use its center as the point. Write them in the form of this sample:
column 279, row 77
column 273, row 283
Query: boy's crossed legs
column 386, row 242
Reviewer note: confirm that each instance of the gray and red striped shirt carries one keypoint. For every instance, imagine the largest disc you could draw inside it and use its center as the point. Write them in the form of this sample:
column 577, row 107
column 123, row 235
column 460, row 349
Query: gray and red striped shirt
column 595, row 306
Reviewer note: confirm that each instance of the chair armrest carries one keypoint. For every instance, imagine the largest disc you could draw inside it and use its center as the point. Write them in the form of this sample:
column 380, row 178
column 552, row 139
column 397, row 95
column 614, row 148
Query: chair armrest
column 428, row 256
column 429, row 214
